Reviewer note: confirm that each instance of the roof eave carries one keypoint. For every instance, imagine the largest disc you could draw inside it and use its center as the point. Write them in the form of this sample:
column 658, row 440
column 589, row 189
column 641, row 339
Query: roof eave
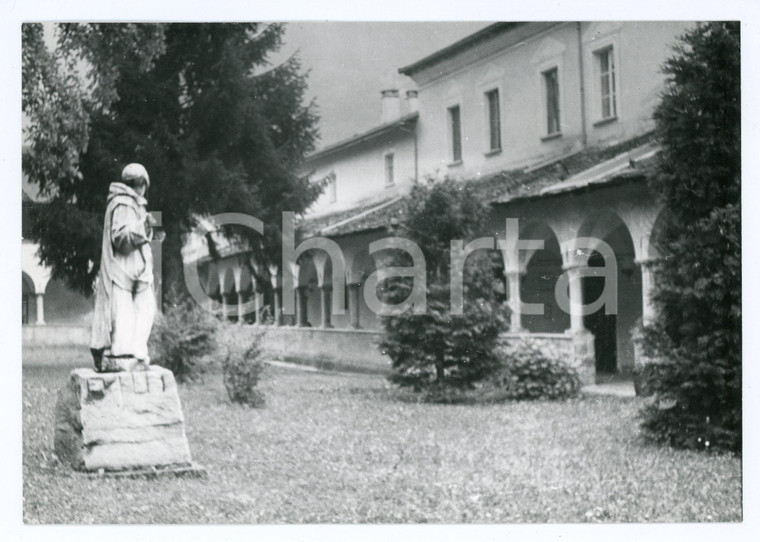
column 616, row 180
column 363, row 138
column 458, row 46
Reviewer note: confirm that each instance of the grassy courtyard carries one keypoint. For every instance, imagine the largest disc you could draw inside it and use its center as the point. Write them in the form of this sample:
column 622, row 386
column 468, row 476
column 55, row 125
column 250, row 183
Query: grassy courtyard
column 342, row 448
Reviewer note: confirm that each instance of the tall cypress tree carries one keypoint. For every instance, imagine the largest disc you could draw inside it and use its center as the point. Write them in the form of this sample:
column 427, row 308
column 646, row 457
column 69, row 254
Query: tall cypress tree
column 698, row 279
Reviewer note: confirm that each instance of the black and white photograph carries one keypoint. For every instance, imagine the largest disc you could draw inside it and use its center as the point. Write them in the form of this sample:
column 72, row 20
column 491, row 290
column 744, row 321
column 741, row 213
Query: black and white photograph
column 286, row 268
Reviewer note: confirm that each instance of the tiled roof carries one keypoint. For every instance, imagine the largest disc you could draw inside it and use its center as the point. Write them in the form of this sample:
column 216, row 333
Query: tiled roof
column 366, row 217
column 623, row 164
column 511, row 185
column 577, row 171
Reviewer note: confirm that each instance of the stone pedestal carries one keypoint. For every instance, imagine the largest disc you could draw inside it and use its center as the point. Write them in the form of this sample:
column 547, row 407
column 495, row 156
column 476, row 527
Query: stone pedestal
column 585, row 357
column 121, row 421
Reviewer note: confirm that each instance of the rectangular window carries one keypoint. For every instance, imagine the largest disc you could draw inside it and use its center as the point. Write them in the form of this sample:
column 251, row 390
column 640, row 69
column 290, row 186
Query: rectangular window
column 494, row 120
column 551, row 92
column 332, row 187
column 389, row 179
column 606, row 63
column 455, row 124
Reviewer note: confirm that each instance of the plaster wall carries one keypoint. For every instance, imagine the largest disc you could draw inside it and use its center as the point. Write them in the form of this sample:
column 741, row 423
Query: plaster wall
column 333, row 348
column 516, row 71
column 360, row 172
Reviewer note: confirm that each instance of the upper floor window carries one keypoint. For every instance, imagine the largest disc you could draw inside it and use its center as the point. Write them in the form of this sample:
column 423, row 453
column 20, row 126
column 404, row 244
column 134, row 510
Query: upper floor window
column 551, row 95
column 455, row 131
column 494, row 120
column 332, row 187
column 605, row 62
column 389, row 173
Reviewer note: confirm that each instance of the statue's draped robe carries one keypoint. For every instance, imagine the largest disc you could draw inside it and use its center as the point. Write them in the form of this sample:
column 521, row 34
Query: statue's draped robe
column 124, row 303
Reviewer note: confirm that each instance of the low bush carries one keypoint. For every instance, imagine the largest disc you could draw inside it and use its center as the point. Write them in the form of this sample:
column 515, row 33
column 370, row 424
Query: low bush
column 182, row 336
column 696, row 403
column 242, row 367
column 529, row 373
column 442, row 351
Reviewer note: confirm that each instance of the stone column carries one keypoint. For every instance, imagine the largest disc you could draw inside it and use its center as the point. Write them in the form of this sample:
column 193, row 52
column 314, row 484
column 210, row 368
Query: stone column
column 324, row 297
column 302, row 315
column 237, row 272
column 576, row 299
column 210, row 277
column 277, row 306
column 222, row 293
column 515, row 324
column 40, row 309
column 648, row 311
column 353, row 305
column 256, row 303
column 276, row 279
column 240, row 313
column 583, row 340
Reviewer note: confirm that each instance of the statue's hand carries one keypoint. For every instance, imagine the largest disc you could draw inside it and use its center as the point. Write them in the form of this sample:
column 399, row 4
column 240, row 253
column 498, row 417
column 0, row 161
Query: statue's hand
column 149, row 227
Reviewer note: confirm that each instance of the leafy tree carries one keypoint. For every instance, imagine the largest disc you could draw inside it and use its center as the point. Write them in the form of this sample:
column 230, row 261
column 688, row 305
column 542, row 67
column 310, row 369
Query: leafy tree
column 217, row 127
column 439, row 349
column 697, row 335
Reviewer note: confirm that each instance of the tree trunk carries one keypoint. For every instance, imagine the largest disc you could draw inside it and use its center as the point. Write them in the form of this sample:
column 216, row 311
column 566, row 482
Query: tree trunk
column 439, row 374
column 172, row 273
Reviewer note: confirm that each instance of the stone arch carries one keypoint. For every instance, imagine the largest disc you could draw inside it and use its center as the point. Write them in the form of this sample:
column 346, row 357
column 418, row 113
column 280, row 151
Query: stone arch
column 534, row 229
column 27, row 284
column 30, row 264
column 28, row 299
column 602, row 224
column 656, row 236
column 227, row 282
column 359, row 266
column 540, row 270
column 307, row 282
column 226, row 289
column 613, row 344
column 307, row 271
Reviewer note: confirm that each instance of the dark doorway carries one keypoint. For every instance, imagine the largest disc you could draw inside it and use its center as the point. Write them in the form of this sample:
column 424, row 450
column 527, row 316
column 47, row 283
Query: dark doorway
column 603, row 326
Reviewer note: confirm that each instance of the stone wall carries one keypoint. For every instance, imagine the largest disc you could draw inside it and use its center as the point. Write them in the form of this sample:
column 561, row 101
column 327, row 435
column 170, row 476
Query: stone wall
column 354, row 349
column 55, row 335
column 576, row 350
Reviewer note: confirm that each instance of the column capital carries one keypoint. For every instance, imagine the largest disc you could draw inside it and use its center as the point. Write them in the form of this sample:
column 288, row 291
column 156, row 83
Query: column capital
column 573, row 265
column 515, row 273
column 647, row 262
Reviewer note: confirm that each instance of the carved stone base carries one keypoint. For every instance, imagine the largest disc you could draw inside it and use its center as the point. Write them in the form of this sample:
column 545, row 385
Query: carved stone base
column 120, row 421
column 117, row 365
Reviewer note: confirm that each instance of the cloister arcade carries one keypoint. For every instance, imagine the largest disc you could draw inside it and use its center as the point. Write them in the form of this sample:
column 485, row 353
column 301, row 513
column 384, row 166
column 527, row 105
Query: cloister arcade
column 625, row 218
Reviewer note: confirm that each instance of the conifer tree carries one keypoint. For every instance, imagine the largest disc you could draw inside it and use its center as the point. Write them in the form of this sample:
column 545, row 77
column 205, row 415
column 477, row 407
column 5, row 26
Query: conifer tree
column 217, row 127
column 697, row 335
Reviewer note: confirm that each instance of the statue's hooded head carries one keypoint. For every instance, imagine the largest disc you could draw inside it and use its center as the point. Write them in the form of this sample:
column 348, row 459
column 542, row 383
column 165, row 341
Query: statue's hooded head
column 133, row 175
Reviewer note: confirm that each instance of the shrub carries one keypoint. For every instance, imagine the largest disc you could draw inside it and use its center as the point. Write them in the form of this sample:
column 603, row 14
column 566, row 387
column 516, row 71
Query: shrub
column 529, row 373
column 242, row 366
column 182, row 336
column 697, row 398
column 438, row 348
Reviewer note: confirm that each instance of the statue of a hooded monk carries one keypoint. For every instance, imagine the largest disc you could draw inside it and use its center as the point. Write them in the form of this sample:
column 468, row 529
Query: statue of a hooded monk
column 124, row 303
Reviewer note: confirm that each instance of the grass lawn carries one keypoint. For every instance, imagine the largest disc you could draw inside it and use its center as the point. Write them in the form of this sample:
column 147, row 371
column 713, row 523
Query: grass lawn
column 341, row 448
